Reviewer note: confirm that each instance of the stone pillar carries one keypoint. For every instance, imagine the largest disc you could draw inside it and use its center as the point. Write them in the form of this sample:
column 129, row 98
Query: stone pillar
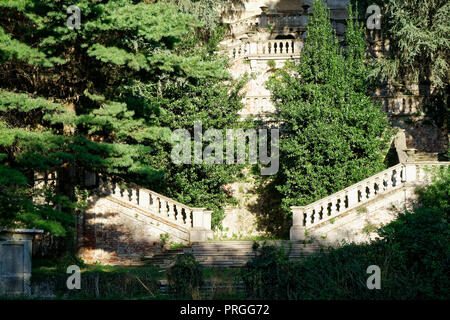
column 144, row 199
column 15, row 261
column 297, row 231
column 207, row 224
column 197, row 232
column 410, row 173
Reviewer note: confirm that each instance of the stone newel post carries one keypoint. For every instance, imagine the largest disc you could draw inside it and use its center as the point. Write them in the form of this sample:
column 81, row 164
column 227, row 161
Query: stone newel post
column 207, row 224
column 410, row 173
column 297, row 231
column 198, row 231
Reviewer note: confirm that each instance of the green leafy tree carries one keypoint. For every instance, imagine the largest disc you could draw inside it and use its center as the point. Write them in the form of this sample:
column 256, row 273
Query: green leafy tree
column 333, row 134
column 419, row 49
column 103, row 97
column 420, row 42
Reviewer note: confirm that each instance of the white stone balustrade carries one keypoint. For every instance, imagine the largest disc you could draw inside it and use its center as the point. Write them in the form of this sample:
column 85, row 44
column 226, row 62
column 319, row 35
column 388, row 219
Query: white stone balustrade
column 282, row 48
column 412, row 173
column 197, row 220
column 287, row 20
column 401, row 105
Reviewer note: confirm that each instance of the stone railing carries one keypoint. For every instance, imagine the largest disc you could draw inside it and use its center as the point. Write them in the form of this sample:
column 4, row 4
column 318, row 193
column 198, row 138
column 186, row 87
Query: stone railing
column 408, row 173
column 196, row 220
column 245, row 25
column 401, row 105
column 287, row 20
column 274, row 20
column 286, row 47
column 283, row 48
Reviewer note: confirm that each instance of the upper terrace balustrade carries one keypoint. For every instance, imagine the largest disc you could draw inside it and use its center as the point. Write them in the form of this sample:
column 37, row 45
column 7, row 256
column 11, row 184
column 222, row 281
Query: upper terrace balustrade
column 280, row 48
column 273, row 20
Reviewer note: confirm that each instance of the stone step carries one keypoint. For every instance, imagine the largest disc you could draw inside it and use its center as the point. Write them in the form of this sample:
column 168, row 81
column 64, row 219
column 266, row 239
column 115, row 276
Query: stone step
column 229, row 253
column 249, row 253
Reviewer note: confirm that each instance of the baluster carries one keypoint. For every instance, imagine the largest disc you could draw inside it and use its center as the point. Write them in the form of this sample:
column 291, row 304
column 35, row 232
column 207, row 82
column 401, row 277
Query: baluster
column 365, row 192
column 394, row 178
column 109, row 186
column 188, row 218
column 376, row 186
column 352, row 197
column 134, row 196
column 338, row 205
column 179, row 216
column 117, row 190
column 155, row 203
column 307, row 218
column 318, row 213
column 359, row 192
column 171, row 211
column 101, row 184
column 163, row 209
column 386, row 178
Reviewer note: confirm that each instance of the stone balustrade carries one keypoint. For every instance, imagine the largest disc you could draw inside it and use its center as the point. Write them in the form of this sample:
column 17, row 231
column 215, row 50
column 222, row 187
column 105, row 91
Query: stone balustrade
column 408, row 173
column 274, row 20
column 401, row 105
column 194, row 219
column 285, row 47
column 287, row 20
column 282, row 48
column 245, row 25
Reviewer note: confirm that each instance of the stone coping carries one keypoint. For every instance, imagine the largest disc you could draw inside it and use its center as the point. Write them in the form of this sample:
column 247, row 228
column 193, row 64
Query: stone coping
column 4, row 230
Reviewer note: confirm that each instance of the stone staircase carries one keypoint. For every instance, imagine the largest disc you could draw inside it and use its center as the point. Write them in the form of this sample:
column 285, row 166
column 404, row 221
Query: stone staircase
column 230, row 254
column 236, row 253
column 353, row 214
column 163, row 259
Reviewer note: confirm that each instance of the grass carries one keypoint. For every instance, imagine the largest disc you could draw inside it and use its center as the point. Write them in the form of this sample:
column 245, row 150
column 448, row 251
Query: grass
column 118, row 282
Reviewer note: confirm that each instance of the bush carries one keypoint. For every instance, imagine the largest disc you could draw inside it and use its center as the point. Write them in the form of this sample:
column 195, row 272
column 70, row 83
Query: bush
column 185, row 277
column 98, row 282
column 412, row 254
column 266, row 276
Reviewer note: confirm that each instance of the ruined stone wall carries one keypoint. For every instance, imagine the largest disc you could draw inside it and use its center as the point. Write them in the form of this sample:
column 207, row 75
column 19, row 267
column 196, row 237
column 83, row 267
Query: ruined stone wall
column 112, row 232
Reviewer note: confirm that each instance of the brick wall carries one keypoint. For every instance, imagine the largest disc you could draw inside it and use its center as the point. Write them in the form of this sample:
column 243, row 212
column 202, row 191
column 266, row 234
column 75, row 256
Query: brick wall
column 113, row 232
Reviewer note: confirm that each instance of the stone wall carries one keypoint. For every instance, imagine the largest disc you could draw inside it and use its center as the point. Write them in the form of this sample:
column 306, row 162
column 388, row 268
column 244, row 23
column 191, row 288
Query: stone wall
column 114, row 232
column 15, row 261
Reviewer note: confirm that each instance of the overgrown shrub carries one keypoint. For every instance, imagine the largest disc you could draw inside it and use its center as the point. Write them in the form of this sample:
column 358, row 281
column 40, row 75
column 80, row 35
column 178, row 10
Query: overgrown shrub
column 102, row 282
column 266, row 276
column 185, row 277
column 412, row 253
